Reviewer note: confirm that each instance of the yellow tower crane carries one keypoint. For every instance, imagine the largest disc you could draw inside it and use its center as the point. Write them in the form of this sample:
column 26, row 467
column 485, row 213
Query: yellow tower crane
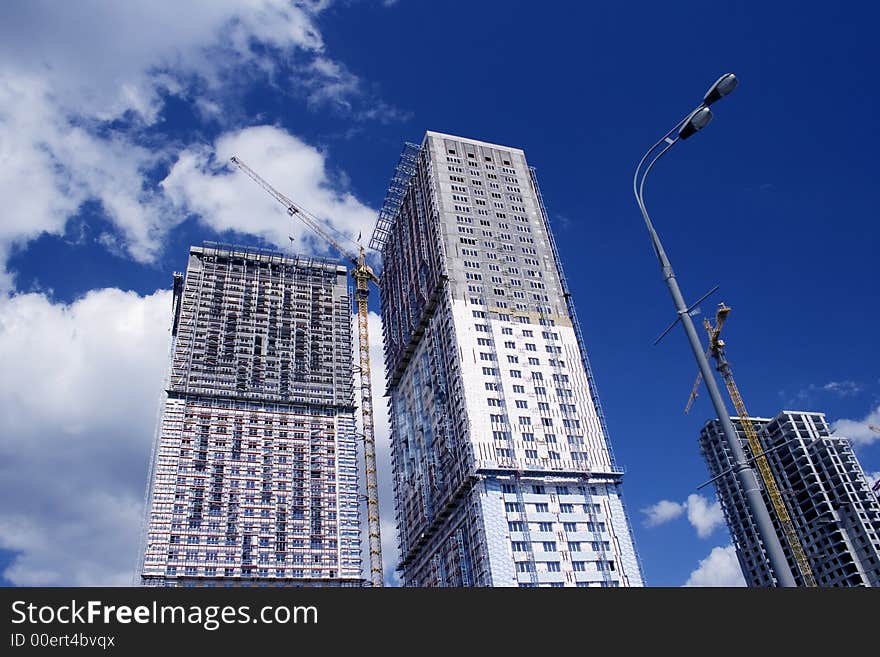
column 363, row 275
column 716, row 350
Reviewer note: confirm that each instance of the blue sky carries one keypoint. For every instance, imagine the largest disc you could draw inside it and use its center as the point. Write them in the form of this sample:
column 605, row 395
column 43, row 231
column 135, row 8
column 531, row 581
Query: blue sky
column 115, row 124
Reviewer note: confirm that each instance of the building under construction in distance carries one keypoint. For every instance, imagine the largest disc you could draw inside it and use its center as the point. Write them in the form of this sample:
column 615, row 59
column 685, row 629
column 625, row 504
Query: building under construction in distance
column 254, row 473
column 835, row 516
column 503, row 472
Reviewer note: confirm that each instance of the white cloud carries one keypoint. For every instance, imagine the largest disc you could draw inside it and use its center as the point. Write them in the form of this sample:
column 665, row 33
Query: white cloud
column 662, row 512
column 807, row 395
column 83, row 84
column 704, row 516
column 859, row 431
column 203, row 182
column 720, row 568
column 842, row 388
column 105, row 59
column 52, row 166
column 79, row 395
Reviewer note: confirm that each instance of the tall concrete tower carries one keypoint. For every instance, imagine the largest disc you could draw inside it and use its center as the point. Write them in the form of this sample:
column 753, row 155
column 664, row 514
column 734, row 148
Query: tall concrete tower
column 254, row 473
column 833, row 512
column 503, row 474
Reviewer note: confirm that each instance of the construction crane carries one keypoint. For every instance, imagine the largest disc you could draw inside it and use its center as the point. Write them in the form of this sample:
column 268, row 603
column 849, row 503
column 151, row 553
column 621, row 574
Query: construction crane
column 716, row 350
column 363, row 275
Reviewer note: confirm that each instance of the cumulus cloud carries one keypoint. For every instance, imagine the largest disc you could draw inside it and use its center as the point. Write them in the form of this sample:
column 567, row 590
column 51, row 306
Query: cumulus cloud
column 720, row 568
column 861, row 432
column 79, row 395
column 128, row 54
column 842, row 388
column 203, row 182
column 662, row 512
column 704, row 516
column 809, row 394
column 83, row 86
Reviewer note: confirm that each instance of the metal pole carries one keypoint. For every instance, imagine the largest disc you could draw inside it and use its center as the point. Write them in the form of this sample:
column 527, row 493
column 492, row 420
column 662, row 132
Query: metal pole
column 744, row 472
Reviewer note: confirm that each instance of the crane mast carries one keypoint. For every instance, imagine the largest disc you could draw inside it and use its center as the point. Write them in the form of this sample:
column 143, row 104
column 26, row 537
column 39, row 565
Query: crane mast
column 716, row 349
column 363, row 275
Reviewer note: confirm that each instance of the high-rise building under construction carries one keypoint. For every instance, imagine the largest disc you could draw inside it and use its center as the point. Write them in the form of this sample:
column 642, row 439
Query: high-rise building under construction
column 503, row 473
column 834, row 515
column 254, row 472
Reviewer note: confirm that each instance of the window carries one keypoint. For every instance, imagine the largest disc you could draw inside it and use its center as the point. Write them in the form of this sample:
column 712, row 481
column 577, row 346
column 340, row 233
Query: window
column 574, row 546
column 531, row 454
column 579, row 566
column 508, row 488
column 512, row 507
column 519, row 546
column 520, row 403
column 518, row 388
column 569, row 526
column 545, row 526
column 525, row 567
column 553, row 566
column 525, row 421
column 543, row 507
column 548, row 546
column 516, row 526
column 566, row 508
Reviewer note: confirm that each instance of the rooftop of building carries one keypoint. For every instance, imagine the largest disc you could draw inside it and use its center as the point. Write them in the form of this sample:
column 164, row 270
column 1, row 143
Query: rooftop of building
column 475, row 142
column 260, row 254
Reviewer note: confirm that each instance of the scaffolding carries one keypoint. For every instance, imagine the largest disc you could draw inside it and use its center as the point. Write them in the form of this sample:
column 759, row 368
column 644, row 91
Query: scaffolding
column 255, row 475
column 397, row 187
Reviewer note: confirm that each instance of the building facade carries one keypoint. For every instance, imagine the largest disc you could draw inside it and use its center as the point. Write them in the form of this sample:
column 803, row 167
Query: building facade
column 503, row 474
column 254, row 474
column 828, row 497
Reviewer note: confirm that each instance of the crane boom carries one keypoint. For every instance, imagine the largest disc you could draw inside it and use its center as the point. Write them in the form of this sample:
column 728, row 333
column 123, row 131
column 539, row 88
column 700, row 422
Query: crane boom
column 716, row 347
column 363, row 275
column 293, row 209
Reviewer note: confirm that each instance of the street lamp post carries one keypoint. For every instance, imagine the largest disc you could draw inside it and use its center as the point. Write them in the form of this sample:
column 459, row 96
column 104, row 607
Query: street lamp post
column 689, row 125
